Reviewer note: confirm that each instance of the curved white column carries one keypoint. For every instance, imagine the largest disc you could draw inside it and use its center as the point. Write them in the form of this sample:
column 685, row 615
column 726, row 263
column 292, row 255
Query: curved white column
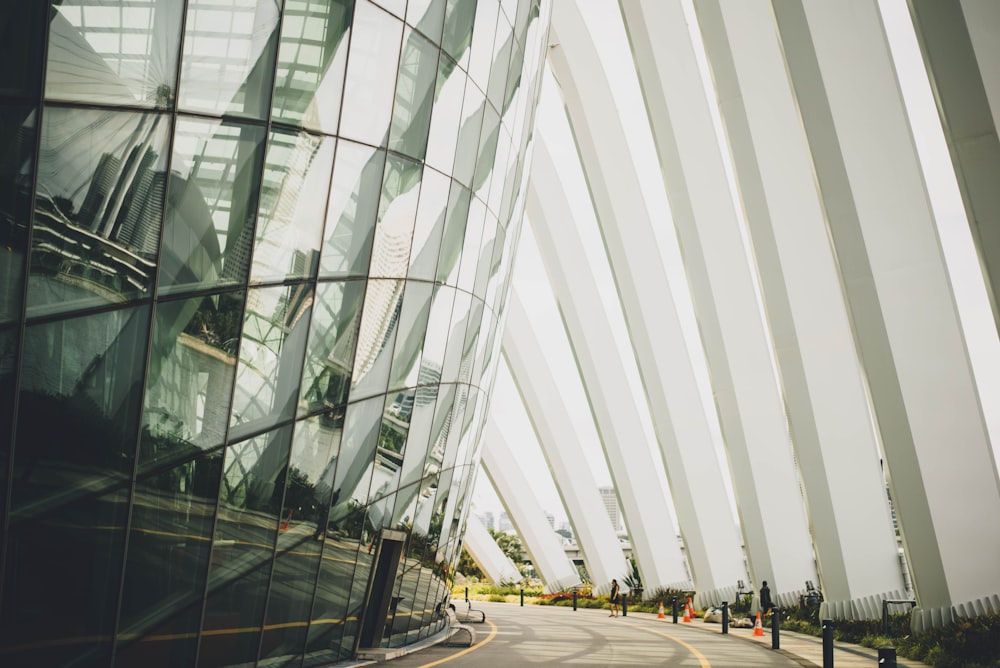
column 688, row 444
column 541, row 542
column 918, row 303
column 615, row 409
column 558, row 438
column 824, row 391
column 496, row 565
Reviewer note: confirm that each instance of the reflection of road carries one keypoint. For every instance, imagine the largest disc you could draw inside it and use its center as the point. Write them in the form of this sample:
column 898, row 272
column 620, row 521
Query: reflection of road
column 555, row 635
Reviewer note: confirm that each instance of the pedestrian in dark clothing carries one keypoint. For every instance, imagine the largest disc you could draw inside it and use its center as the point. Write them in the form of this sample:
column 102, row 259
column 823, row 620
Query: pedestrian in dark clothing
column 614, row 598
column 766, row 604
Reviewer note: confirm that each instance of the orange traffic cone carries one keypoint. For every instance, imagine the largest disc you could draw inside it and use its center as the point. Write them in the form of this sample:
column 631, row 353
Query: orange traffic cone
column 758, row 628
column 687, row 614
column 660, row 614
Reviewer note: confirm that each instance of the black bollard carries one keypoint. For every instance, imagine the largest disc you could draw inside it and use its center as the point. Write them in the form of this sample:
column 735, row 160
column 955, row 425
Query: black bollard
column 675, row 609
column 522, row 598
column 725, row 617
column 624, row 605
column 887, row 657
column 827, row 643
column 574, row 600
column 466, row 594
column 775, row 627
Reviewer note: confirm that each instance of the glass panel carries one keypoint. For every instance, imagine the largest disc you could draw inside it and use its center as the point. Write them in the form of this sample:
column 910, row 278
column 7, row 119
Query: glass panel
column 397, row 7
column 371, row 75
column 377, row 337
column 487, row 153
column 214, row 184
column 472, row 334
column 388, row 462
column 87, row 373
column 168, row 556
column 17, row 149
column 467, row 151
column 471, row 245
column 311, row 63
column 250, row 502
column 409, row 341
column 501, row 60
column 483, row 32
column 21, row 42
column 458, row 22
column 114, row 52
column 352, row 210
column 454, row 235
column 504, row 166
column 429, row 225
column 413, row 461
column 190, row 377
column 412, row 114
column 427, row 16
column 61, row 583
column 446, row 116
column 357, row 458
column 98, row 207
column 456, row 336
column 485, row 265
column 292, row 201
column 275, row 332
column 229, row 54
column 8, row 367
column 397, row 213
column 432, row 361
column 358, row 587
column 330, row 353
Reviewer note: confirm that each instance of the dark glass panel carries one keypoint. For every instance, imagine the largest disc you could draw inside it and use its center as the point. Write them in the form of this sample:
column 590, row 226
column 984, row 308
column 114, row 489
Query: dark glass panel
column 414, row 95
column 454, row 235
column 330, row 353
column 61, row 584
column 311, row 62
column 352, row 210
column 17, row 150
column 409, row 342
column 22, row 36
column 376, row 337
column 359, row 588
column 275, row 332
column 78, row 408
column 114, row 52
column 397, row 213
column 98, row 207
column 229, row 57
column 371, row 75
column 168, row 556
column 336, row 575
column 190, row 377
column 8, row 367
column 292, row 202
column 250, row 508
column 214, row 184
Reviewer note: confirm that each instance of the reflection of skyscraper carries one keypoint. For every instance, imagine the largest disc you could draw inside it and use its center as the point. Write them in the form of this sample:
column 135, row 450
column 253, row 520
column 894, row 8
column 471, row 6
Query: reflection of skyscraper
column 610, row 500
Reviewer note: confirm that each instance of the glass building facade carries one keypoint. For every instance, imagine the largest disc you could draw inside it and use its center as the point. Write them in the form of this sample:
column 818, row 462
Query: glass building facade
column 253, row 259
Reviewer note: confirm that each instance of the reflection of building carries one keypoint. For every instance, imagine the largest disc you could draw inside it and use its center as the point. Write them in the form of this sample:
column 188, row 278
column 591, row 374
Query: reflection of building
column 218, row 264
column 610, row 500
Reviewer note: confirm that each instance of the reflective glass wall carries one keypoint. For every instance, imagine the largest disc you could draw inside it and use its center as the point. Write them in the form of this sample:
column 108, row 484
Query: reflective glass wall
column 253, row 259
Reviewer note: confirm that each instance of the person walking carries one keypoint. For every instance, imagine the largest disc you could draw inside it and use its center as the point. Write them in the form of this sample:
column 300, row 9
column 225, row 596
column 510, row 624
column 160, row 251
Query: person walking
column 766, row 604
column 614, row 598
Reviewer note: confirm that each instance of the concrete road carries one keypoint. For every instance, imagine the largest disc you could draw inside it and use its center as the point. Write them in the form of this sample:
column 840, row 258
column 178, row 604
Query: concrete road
column 514, row 636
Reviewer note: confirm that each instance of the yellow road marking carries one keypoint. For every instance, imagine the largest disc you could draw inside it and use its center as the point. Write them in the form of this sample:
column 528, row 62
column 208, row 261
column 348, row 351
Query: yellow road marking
column 698, row 655
column 491, row 636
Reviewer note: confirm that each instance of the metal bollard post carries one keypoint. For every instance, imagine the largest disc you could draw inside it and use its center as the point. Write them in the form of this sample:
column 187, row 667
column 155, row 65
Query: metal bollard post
column 725, row 617
column 466, row 594
column 887, row 657
column 827, row 643
column 885, row 618
column 624, row 605
column 574, row 600
column 775, row 627
column 522, row 598
column 675, row 609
